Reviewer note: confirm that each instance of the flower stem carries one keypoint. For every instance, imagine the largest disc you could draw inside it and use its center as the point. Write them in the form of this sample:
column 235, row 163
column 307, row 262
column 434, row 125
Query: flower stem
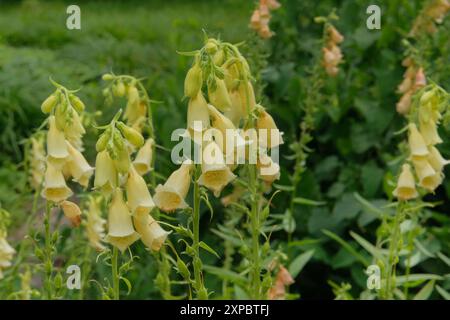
column 115, row 274
column 48, row 264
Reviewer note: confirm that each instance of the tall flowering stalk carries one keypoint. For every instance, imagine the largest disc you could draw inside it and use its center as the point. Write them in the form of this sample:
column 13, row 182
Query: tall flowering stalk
column 64, row 160
column 260, row 18
column 422, row 171
column 138, row 114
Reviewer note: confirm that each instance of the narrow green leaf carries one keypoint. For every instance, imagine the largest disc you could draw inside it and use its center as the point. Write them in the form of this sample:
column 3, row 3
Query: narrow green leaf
column 347, row 246
column 308, row 202
column 425, row 292
column 443, row 292
column 298, row 263
column 418, row 277
column 226, row 274
column 208, row 248
column 367, row 245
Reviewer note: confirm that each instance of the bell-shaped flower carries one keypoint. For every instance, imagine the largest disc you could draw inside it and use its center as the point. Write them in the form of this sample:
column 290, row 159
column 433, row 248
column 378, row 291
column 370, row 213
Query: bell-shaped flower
column 429, row 132
column 436, row 160
column 237, row 110
column 404, row 104
column 139, row 198
column 6, row 253
column 170, row 196
column 428, row 178
column 152, row 235
column 197, row 115
column 218, row 95
column 105, row 173
column 247, row 94
column 335, row 35
column 269, row 171
column 57, row 152
column 78, row 167
column 121, row 233
column 416, row 142
column 406, row 186
column 215, row 173
column 268, row 133
column 95, row 224
column 72, row 212
column 143, row 161
column 55, row 188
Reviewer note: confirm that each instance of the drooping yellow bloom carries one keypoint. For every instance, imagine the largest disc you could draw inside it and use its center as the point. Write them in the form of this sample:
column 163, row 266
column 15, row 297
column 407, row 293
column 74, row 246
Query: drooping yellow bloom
column 406, row 186
column 74, row 130
column 218, row 95
column 78, row 167
column 152, row 235
column 193, row 81
column 121, row 233
column 436, row 160
column 269, row 135
column 105, row 173
column 429, row 132
column 6, row 253
column 237, row 110
column 215, row 173
column 170, row 196
column 95, row 224
column 269, row 171
column 143, row 161
column 416, row 142
column 72, row 212
column 428, row 177
column 139, row 198
column 247, row 93
column 197, row 115
column 55, row 188
column 56, row 145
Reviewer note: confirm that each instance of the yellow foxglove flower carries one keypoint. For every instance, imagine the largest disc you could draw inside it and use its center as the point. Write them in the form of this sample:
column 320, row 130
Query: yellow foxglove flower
column 152, row 235
column 170, row 196
column 269, row 135
column 436, row 160
column 55, row 188
column 139, row 198
column 6, row 254
column 72, row 212
column 219, row 96
column 428, row 178
column 121, row 233
column 95, row 224
column 247, row 93
column 237, row 110
column 406, row 186
column 105, row 173
column 74, row 131
column 142, row 162
column 37, row 162
column 416, row 142
column 78, row 167
column 215, row 173
column 49, row 103
column 56, row 144
column 197, row 116
column 269, row 171
column 429, row 132
column 193, row 81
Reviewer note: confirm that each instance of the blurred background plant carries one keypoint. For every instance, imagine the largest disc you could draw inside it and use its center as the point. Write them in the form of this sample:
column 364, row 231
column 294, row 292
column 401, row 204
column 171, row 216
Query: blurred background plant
column 349, row 178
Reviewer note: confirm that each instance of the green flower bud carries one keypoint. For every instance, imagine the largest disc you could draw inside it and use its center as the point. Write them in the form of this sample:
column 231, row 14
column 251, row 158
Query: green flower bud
column 102, row 141
column 119, row 89
column 77, row 103
column 131, row 134
column 58, row 281
column 49, row 103
column 218, row 95
column 183, row 269
column 107, row 77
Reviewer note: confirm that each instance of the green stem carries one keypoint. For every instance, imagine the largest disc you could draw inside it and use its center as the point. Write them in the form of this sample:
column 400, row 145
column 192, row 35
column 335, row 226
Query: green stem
column 196, row 232
column 115, row 274
column 48, row 264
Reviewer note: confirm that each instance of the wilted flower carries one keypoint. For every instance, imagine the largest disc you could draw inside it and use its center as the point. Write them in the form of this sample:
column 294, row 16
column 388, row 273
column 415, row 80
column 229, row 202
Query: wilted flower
column 121, row 233
column 139, row 198
column 152, row 235
column 406, row 186
column 283, row 279
column 143, row 161
column 170, row 196
column 72, row 212
column 55, row 188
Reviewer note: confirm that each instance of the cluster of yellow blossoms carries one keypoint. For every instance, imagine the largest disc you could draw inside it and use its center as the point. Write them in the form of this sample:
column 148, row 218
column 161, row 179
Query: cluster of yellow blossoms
column 332, row 54
column 413, row 80
column 432, row 14
column 427, row 161
column 64, row 145
column 261, row 17
column 128, row 220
